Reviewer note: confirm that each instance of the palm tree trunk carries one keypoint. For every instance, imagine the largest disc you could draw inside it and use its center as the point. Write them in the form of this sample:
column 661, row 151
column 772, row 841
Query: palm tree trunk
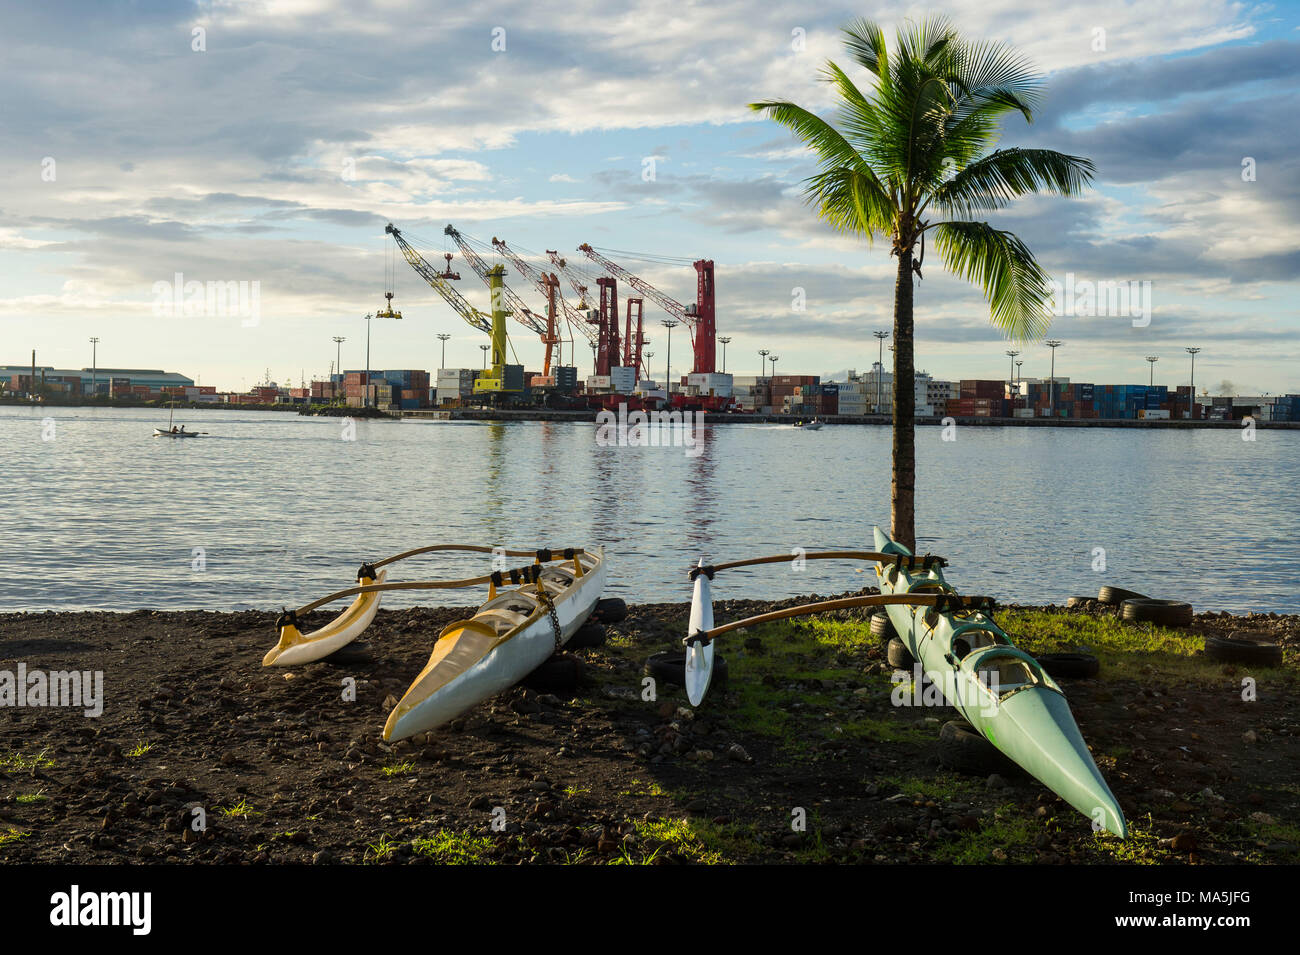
column 903, row 489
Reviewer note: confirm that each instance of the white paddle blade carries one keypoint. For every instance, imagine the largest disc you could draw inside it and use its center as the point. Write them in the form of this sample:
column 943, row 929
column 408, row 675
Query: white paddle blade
column 699, row 657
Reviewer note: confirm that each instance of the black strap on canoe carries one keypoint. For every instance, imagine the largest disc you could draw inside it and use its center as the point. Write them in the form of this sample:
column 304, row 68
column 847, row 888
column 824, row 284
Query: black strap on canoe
column 953, row 603
column 699, row 637
column 706, row 570
column 289, row 618
column 543, row 555
column 366, row 570
column 518, row 575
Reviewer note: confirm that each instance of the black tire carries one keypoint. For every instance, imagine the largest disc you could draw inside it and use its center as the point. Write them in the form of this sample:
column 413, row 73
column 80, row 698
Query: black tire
column 882, row 627
column 1114, row 596
column 899, row 657
column 1069, row 666
column 610, row 610
column 1168, row 613
column 562, row 674
column 669, row 668
column 1237, row 650
column 964, row 750
column 588, row 636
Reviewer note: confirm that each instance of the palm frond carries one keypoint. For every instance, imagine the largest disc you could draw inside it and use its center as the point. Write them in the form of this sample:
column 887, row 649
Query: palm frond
column 1001, row 264
column 992, row 182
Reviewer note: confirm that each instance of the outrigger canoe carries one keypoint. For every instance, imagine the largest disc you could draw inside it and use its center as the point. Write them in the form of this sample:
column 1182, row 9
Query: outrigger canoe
column 1000, row 690
column 511, row 635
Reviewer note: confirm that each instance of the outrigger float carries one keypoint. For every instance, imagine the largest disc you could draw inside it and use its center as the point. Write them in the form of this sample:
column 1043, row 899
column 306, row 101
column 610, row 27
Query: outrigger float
column 999, row 689
column 530, row 613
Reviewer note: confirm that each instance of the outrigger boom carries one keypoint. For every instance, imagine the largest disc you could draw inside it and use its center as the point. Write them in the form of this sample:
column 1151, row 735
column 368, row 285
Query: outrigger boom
column 1002, row 691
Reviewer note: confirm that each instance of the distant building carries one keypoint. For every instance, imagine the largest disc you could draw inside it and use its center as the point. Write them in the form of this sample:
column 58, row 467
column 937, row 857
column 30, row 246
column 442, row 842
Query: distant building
column 106, row 381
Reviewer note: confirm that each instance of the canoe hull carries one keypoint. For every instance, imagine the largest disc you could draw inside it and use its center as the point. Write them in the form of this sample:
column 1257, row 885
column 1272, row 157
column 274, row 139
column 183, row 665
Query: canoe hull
column 472, row 662
column 1001, row 691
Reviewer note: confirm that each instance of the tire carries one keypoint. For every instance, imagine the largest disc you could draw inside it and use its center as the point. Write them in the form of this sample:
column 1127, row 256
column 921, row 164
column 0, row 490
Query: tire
column 899, row 657
column 1079, row 601
column 1168, row 613
column 1236, row 650
column 1114, row 596
column 964, row 750
column 589, row 635
column 562, row 674
column 610, row 610
column 1069, row 666
column 882, row 627
column 669, row 668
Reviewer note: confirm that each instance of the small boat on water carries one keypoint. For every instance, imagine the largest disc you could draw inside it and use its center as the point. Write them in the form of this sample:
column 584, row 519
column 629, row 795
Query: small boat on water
column 1002, row 692
column 530, row 613
column 171, row 431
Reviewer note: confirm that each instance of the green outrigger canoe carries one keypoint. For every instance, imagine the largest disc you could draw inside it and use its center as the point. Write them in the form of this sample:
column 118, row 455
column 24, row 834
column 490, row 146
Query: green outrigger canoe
column 1000, row 690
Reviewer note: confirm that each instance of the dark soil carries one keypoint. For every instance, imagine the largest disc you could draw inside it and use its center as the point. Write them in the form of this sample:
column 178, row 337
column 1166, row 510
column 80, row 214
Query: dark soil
column 285, row 770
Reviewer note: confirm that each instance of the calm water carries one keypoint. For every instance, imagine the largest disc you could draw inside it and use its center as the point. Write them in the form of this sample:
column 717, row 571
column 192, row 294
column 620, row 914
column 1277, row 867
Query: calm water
column 104, row 516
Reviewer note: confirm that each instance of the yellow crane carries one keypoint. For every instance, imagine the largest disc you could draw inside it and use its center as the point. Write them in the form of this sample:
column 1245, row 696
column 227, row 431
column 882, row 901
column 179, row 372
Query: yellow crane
column 494, row 382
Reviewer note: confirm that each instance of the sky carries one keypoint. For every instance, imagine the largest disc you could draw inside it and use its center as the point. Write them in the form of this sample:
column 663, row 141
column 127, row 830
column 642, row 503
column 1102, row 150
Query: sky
column 270, row 142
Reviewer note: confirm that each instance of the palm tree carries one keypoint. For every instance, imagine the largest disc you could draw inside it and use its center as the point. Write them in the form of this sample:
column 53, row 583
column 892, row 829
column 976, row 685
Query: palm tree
column 914, row 155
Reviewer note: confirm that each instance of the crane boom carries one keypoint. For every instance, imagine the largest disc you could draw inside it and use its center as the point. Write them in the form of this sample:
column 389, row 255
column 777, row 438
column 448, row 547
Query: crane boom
column 522, row 313
column 545, row 283
column 427, row 272
column 699, row 318
column 576, row 317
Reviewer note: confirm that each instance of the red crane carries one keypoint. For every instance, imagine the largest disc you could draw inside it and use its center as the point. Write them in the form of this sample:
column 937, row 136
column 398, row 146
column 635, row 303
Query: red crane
column 699, row 318
column 632, row 345
column 606, row 320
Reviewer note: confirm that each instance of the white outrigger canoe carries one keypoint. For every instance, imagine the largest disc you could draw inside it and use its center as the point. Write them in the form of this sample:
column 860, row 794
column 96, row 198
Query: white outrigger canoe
column 511, row 635
column 1001, row 691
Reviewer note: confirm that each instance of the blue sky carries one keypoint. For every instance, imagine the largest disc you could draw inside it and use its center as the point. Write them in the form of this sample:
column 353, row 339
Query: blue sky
column 277, row 153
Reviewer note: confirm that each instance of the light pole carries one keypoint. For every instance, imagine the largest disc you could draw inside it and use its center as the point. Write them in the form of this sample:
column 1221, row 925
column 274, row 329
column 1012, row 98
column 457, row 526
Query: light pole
column 94, row 364
column 880, row 365
column 1191, row 398
column 669, row 324
column 724, row 341
column 763, row 353
column 366, row 386
column 1018, row 364
column 1012, row 354
column 442, row 337
column 1053, row 345
column 1152, row 359
column 338, row 364
column 774, row 359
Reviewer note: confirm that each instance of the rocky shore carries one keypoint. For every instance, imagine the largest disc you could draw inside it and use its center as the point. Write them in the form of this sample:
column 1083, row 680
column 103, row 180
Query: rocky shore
column 201, row 755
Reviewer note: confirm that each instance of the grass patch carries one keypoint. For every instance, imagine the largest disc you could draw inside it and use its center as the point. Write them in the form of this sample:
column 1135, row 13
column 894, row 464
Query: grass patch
column 1126, row 650
column 30, row 799
column 11, row 835
column 18, row 762
column 240, row 810
column 455, row 848
column 400, row 769
column 140, row 750
column 1008, row 830
column 681, row 836
column 378, row 851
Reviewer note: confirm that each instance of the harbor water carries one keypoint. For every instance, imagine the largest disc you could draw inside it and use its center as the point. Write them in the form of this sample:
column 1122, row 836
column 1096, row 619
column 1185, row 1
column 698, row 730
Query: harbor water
column 272, row 509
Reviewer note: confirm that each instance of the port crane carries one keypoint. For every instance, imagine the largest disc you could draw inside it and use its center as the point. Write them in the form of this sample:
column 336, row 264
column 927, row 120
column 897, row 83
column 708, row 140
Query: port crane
column 604, row 336
column 699, row 317
column 492, row 383
column 544, row 329
column 548, row 284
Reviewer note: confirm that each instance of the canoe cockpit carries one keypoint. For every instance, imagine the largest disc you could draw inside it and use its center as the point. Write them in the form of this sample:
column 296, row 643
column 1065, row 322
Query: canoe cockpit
column 1008, row 670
